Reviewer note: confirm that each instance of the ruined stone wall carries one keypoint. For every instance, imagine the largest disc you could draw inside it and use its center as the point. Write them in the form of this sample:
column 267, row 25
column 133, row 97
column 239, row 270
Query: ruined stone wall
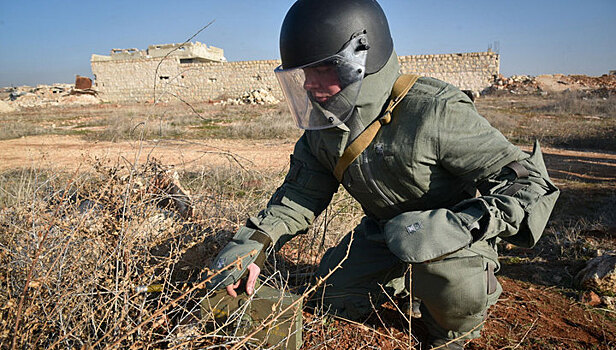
column 469, row 71
column 221, row 80
column 134, row 80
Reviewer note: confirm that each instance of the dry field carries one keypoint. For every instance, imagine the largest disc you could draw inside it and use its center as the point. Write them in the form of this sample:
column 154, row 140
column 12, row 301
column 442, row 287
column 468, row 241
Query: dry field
column 86, row 215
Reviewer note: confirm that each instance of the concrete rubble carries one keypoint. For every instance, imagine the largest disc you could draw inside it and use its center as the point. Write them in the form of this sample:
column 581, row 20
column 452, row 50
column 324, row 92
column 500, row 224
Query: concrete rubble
column 16, row 98
column 253, row 97
column 5, row 107
column 552, row 83
column 515, row 84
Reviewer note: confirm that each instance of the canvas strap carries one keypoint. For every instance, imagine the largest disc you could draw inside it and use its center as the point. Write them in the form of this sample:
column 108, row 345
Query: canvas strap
column 264, row 239
column 402, row 85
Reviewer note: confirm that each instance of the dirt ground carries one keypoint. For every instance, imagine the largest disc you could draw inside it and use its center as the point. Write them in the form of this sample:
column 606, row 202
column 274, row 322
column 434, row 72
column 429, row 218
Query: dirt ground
column 68, row 152
column 271, row 155
column 559, row 82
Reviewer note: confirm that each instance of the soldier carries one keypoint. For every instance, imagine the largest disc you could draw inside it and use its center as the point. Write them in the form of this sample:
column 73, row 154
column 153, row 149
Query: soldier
column 437, row 183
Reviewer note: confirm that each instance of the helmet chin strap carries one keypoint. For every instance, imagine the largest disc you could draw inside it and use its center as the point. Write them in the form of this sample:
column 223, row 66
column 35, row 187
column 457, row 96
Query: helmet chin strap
column 337, row 108
column 350, row 119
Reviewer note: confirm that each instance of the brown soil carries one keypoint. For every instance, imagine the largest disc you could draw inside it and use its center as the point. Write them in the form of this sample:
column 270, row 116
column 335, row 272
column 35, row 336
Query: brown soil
column 273, row 155
column 538, row 318
column 68, row 152
column 526, row 317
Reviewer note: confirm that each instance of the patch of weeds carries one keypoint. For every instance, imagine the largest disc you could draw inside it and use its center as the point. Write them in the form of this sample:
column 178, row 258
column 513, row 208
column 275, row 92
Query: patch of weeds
column 206, row 125
column 259, row 126
column 203, row 130
column 18, row 185
column 79, row 132
column 17, row 129
column 86, row 125
column 571, row 120
column 210, row 121
column 582, row 103
column 512, row 260
column 125, row 128
column 574, row 242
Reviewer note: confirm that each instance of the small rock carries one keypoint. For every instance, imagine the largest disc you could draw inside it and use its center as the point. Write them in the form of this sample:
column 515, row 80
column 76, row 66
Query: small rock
column 591, row 298
column 258, row 96
column 599, row 274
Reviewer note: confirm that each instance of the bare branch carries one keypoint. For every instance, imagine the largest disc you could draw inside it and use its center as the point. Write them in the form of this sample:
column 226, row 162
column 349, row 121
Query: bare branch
column 168, row 53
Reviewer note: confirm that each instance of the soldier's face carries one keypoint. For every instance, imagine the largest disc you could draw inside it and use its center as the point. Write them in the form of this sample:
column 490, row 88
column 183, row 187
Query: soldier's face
column 322, row 82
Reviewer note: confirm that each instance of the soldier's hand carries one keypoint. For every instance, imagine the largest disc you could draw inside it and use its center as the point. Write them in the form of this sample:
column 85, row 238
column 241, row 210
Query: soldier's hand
column 253, row 273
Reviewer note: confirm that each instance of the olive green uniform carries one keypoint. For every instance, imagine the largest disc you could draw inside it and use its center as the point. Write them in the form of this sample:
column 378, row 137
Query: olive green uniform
column 416, row 182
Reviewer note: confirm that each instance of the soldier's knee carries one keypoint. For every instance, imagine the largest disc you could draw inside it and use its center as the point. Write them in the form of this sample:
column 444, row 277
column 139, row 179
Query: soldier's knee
column 456, row 292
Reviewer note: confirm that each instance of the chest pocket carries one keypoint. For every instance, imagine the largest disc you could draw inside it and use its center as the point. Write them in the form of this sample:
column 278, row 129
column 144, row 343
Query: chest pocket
column 369, row 185
column 355, row 182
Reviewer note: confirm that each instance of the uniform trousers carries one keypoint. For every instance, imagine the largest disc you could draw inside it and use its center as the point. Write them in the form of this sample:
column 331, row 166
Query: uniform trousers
column 455, row 290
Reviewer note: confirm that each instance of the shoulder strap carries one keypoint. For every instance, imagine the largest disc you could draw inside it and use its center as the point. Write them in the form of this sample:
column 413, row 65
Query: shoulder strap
column 402, row 85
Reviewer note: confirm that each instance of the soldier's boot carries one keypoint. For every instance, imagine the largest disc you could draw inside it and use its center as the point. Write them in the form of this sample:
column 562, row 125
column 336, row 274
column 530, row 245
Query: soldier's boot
column 412, row 309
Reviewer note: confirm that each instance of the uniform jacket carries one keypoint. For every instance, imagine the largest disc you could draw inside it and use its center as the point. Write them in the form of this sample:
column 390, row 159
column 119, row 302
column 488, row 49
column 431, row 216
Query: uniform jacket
column 422, row 168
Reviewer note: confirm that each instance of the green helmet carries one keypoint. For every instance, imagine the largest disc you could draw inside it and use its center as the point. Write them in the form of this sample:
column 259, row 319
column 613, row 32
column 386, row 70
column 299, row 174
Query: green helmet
column 314, row 30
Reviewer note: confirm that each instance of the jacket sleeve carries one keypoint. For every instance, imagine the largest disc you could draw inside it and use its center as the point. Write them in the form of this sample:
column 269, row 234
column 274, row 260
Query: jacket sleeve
column 514, row 203
column 515, row 197
column 305, row 193
column 307, row 190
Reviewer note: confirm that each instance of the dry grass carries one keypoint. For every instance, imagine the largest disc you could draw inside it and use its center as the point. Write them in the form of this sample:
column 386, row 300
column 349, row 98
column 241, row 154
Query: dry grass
column 147, row 122
column 83, row 241
column 599, row 103
column 569, row 119
column 74, row 246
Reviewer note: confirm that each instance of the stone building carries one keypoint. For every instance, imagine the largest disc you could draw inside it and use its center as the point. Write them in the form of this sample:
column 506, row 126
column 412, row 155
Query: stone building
column 196, row 72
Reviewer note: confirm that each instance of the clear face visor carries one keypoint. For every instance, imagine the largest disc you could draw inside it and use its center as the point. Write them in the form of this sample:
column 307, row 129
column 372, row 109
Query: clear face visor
column 323, row 94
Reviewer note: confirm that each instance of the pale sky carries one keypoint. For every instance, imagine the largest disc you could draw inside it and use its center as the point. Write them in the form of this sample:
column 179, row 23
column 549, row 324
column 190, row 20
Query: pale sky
column 44, row 42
